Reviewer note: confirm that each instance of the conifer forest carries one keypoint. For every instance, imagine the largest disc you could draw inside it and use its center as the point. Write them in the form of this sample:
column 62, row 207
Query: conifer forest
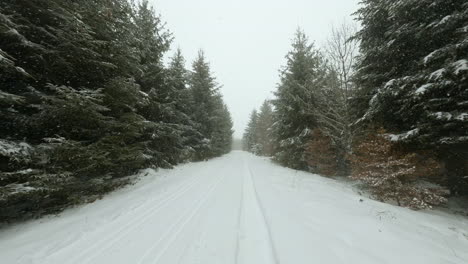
column 386, row 104
column 86, row 101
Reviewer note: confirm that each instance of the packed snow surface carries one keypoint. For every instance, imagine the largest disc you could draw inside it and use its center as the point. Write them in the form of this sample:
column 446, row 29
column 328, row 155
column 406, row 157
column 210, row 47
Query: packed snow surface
column 237, row 209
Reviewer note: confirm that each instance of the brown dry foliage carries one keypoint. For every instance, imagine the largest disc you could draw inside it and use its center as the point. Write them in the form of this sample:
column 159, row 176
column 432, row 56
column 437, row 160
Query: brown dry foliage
column 321, row 155
column 393, row 174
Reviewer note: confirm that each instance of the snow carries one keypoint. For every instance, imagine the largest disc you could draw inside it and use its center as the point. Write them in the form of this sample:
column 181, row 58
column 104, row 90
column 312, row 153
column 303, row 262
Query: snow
column 403, row 136
column 423, row 89
column 460, row 65
column 21, row 70
column 26, row 171
column 464, row 29
column 12, row 98
column 444, row 20
column 462, row 117
column 445, row 116
column 11, row 148
column 372, row 102
column 238, row 209
column 13, row 31
column 430, row 56
column 437, row 74
column 305, row 132
column 389, row 84
column 19, row 188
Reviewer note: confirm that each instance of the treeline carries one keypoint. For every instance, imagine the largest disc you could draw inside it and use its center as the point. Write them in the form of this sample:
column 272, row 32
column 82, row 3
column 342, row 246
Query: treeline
column 258, row 137
column 86, row 100
column 386, row 105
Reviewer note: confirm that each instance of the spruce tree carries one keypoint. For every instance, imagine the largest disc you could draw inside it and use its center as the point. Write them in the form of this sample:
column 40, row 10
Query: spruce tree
column 177, row 78
column 295, row 99
column 263, row 129
column 203, row 88
column 414, row 63
column 86, row 100
column 250, row 140
column 222, row 134
column 68, row 85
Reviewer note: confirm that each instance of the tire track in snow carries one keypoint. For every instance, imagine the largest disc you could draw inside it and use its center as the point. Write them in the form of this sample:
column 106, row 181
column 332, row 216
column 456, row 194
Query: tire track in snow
column 239, row 223
column 265, row 220
column 111, row 239
column 255, row 243
column 175, row 229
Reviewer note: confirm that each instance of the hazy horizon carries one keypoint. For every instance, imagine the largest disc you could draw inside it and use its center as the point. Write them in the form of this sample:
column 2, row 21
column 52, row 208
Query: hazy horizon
column 246, row 41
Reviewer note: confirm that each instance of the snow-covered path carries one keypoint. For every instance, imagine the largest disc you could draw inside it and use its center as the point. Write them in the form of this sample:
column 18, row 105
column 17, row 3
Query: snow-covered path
column 237, row 209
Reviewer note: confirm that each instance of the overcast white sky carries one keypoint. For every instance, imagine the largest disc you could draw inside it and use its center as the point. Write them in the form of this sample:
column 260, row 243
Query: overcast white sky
column 246, row 40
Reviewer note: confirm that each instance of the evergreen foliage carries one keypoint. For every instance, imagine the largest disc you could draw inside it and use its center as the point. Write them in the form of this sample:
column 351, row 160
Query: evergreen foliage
column 334, row 107
column 410, row 77
column 295, row 98
column 208, row 111
column 86, row 101
column 250, row 134
column 414, row 64
column 178, row 78
column 258, row 137
column 221, row 142
column 264, row 129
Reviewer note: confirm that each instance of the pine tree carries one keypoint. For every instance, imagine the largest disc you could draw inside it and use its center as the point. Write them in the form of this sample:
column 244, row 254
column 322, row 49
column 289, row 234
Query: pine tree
column 295, row 100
